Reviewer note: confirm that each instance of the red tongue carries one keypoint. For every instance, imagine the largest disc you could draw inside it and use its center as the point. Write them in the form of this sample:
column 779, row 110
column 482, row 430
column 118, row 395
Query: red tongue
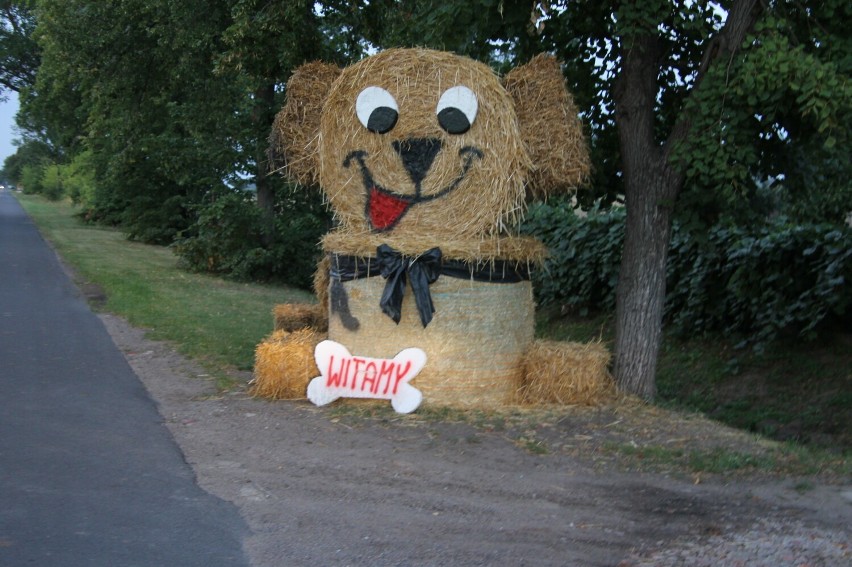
column 385, row 210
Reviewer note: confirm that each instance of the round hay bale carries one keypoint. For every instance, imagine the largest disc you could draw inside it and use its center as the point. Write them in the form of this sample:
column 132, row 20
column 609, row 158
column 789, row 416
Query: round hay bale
column 284, row 364
column 481, row 201
column 474, row 343
column 567, row 373
column 294, row 130
column 550, row 126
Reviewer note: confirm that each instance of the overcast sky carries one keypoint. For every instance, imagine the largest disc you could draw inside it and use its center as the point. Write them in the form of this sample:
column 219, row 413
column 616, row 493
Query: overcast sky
column 7, row 125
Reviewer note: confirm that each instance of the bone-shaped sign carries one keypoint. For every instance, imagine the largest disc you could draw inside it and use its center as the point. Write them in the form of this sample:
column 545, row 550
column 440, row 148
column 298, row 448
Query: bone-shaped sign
column 347, row 376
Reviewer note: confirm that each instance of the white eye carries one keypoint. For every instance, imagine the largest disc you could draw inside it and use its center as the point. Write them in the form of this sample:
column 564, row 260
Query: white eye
column 457, row 109
column 376, row 109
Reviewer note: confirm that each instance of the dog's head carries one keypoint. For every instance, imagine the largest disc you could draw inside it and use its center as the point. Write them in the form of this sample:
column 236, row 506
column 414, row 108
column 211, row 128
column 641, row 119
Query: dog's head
column 428, row 144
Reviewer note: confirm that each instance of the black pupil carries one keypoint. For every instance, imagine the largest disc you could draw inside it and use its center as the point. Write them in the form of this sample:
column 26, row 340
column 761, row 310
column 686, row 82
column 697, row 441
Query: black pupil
column 453, row 120
column 382, row 119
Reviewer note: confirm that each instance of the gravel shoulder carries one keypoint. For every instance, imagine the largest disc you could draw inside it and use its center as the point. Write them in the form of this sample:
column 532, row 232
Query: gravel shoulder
column 345, row 487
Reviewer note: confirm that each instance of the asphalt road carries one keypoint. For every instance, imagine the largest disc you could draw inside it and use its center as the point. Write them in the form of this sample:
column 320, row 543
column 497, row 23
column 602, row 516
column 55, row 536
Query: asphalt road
column 89, row 474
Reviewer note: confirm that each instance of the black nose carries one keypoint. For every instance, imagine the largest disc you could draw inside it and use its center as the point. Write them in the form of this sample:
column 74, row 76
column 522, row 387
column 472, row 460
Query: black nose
column 417, row 155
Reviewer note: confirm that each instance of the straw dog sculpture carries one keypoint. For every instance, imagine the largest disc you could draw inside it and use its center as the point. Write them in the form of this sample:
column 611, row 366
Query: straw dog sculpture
column 426, row 159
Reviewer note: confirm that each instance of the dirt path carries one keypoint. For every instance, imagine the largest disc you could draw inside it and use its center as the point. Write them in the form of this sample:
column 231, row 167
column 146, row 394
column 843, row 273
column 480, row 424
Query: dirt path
column 325, row 487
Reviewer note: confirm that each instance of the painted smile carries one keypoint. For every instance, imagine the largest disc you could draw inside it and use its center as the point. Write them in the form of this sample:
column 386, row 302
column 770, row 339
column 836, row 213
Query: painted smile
column 385, row 208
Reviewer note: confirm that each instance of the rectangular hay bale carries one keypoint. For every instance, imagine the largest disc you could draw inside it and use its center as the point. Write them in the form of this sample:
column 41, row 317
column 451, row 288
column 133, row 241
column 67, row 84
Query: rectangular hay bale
column 567, row 373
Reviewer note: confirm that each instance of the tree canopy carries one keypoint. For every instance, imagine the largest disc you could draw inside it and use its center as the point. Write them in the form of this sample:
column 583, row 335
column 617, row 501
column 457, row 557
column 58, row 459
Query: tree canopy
column 19, row 53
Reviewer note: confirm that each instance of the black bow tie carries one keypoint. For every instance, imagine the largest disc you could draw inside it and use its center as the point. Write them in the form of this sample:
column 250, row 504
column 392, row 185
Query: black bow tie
column 396, row 268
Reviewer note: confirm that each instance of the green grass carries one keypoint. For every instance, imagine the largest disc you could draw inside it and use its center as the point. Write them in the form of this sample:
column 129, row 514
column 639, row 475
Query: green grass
column 216, row 321
column 788, row 459
column 795, row 391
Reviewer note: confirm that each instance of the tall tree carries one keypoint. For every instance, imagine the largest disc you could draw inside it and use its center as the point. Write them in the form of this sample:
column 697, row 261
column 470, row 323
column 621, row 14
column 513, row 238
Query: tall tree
column 263, row 43
column 502, row 33
column 19, row 53
column 652, row 181
column 703, row 96
column 133, row 82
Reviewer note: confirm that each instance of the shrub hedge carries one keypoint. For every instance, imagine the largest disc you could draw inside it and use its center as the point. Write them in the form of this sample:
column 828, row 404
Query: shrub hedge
column 752, row 282
column 233, row 238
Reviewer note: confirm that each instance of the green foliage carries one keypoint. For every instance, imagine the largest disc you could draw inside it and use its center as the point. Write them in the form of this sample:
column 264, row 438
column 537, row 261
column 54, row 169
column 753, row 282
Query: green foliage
column 233, row 237
column 585, row 253
column 79, row 179
column 780, row 112
column 51, row 183
column 159, row 126
column 759, row 282
column 754, row 282
column 180, row 115
column 503, row 32
column 30, row 152
column 30, row 179
column 19, row 55
column 592, row 37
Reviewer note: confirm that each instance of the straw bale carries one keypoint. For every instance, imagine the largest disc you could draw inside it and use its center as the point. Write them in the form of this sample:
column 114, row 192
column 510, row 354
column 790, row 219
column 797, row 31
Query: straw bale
column 567, row 373
column 491, row 194
column 284, row 364
column 466, row 201
column 550, row 126
column 320, row 285
column 474, row 344
column 295, row 130
column 294, row 316
column 523, row 249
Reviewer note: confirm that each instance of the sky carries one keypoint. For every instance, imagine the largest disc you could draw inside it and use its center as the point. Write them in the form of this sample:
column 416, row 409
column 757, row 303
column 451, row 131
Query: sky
column 8, row 109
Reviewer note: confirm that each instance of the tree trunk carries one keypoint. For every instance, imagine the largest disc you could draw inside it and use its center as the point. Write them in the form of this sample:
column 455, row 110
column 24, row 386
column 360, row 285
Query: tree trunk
column 652, row 185
column 642, row 279
column 650, row 189
column 262, row 116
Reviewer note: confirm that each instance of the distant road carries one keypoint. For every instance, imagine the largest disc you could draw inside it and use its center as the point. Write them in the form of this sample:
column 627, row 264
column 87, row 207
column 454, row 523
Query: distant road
column 89, row 474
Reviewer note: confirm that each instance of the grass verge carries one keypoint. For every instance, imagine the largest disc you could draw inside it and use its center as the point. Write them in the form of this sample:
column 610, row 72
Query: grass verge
column 215, row 321
column 795, row 391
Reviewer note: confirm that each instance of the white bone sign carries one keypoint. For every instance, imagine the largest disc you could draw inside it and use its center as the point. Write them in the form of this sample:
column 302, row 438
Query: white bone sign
column 347, row 376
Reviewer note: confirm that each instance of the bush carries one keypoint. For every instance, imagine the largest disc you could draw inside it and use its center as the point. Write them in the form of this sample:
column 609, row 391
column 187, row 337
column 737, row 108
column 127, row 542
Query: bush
column 55, row 181
column 759, row 282
column 79, row 179
column 752, row 282
column 31, row 176
column 51, row 183
column 233, row 237
column 585, row 254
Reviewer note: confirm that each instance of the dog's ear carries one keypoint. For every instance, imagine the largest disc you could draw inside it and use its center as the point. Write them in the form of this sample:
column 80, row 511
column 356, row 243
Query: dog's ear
column 293, row 143
column 549, row 125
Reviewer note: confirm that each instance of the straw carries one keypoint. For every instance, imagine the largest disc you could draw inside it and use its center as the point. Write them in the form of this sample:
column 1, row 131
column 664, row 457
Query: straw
column 525, row 250
column 294, row 316
column 284, row 364
column 295, row 129
column 550, row 126
column 490, row 196
column 474, row 343
column 567, row 373
column 468, row 198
